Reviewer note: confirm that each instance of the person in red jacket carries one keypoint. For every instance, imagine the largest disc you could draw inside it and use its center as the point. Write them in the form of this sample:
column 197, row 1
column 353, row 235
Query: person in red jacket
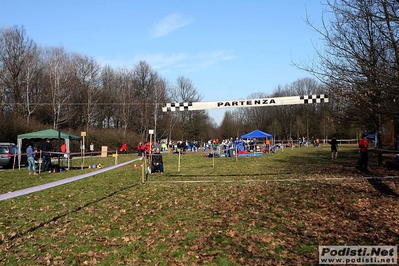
column 148, row 148
column 123, row 149
column 63, row 148
column 363, row 146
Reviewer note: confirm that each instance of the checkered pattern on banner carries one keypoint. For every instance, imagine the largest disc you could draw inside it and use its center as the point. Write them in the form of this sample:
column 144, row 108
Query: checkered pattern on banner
column 319, row 98
column 171, row 107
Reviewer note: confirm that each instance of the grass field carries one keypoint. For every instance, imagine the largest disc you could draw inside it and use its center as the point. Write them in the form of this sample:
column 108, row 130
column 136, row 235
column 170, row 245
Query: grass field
column 270, row 210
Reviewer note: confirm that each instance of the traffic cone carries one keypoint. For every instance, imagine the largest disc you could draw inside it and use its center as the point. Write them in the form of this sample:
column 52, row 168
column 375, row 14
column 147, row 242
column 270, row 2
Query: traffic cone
column 135, row 166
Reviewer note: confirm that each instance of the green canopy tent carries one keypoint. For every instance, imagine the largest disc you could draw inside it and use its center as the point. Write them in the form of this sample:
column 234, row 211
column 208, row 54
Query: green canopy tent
column 47, row 134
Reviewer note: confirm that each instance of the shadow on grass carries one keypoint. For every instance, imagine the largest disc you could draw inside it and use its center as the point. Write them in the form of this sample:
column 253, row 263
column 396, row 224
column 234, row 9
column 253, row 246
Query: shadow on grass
column 42, row 224
column 227, row 175
column 383, row 188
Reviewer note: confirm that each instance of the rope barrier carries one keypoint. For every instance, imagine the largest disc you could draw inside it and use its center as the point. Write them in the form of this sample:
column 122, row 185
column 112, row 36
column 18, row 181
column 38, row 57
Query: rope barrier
column 284, row 180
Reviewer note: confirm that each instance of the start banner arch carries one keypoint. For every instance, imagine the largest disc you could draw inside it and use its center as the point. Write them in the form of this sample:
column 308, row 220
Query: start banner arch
column 258, row 102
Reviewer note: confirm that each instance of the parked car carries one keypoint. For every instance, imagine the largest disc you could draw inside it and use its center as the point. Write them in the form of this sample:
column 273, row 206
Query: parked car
column 8, row 151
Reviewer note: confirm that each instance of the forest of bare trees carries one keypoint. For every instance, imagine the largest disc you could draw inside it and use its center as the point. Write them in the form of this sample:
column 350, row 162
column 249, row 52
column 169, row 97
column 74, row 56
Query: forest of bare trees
column 357, row 66
column 49, row 87
column 359, row 61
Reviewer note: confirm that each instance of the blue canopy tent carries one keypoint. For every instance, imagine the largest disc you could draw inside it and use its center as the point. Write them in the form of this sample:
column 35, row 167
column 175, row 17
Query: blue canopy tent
column 258, row 134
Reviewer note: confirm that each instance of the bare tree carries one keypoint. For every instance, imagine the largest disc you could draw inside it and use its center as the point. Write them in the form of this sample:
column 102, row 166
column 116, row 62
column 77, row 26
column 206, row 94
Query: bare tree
column 144, row 86
column 231, row 125
column 107, row 114
column 159, row 96
column 257, row 117
column 309, row 115
column 284, row 116
column 360, row 59
column 33, row 83
column 87, row 89
column 19, row 57
column 59, row 85
column 125, row 96
column 185, row 91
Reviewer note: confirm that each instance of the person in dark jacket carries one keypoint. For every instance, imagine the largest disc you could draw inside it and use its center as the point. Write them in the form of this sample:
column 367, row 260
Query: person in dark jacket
column 334, row 148
column 157, row 162
column 46, row 156
column 140, row 149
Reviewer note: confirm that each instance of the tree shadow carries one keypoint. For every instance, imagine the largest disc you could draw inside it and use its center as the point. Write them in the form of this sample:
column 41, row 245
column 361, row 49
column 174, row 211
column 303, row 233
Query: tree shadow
column 380, row 186
column 66, row 213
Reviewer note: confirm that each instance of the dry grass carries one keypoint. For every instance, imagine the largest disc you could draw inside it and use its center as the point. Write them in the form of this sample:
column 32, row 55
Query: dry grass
column 269, row 210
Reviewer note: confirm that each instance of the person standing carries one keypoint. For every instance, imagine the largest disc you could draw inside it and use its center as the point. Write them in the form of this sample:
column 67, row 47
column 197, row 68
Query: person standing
column 194, row 147
column 63, row 149
column 91, row 147
column 46, row 156
column 334, row 148
column 158, row 145
column 267, row 145
column 163, row 147
column 363, row 146
column 227, row 148
column 30, row 153
column 139, row 149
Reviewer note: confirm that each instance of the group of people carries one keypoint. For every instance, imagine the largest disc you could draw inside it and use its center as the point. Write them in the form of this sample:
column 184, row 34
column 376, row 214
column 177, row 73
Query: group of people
column 229, row 146
column 144, row 149
column 155, row 158
column 183, row 146
column 31, row 154
column 303, row 142
column 362, row 163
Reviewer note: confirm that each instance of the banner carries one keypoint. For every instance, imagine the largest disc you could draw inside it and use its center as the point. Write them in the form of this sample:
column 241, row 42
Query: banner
column 273, row 101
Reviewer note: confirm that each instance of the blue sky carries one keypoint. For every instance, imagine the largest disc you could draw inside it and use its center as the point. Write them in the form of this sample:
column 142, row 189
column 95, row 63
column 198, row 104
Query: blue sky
column 228, row 49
